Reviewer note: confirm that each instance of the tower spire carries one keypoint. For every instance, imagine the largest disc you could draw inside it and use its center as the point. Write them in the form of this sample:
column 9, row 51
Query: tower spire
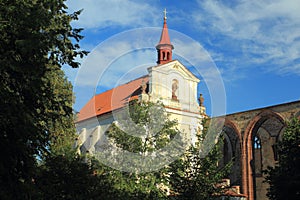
column 164, row 47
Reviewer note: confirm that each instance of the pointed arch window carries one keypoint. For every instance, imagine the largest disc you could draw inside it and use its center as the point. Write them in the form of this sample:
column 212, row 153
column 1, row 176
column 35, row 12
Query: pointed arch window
column 257, row 147
column 257, row 142
column 227, row 150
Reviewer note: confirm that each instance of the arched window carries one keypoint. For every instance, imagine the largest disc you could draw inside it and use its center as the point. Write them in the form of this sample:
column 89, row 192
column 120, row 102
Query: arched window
column 257, row 143
column 164, row 55
column 175, row 86
column 168, row 55
column 257, row 156
column 227, row 150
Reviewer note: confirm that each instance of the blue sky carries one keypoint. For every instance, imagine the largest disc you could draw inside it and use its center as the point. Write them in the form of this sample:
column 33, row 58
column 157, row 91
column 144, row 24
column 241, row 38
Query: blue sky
column 253, row 46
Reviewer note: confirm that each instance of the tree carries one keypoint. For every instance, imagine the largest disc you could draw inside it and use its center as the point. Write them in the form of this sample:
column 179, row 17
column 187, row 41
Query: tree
column 146, row 130
column 188, row 177
column 65, row 178
column 143, row 127
column 284, row 179
column 197, row 177
column 61, row 167
column 36, row 39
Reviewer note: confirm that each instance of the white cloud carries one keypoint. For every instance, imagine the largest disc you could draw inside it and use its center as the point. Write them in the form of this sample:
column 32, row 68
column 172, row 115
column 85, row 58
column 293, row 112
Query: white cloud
column 133, row 49
column 126, row 56
column 102, row 13
column 240, row 35
column 107, row 64
column 117, row 55
column 267, row 32
column 263, row 32
column 119, row 59
column 195, row 56
column 190, row 49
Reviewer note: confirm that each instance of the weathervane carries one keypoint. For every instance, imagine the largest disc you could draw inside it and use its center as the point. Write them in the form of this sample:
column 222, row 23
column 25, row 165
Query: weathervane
column 165, row 13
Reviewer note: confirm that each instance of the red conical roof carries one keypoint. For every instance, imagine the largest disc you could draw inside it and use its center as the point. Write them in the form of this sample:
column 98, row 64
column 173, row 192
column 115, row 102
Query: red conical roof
column 165, row 38
column 164, row 47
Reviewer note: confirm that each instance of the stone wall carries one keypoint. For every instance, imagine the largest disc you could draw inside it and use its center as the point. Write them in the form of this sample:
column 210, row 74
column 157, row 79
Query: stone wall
column 252, row 136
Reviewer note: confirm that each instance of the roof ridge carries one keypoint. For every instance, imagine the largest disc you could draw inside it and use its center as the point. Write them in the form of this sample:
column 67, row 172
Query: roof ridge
column 144, row 76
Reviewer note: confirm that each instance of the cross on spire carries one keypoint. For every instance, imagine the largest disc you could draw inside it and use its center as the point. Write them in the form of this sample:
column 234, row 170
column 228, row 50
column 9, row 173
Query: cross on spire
column 165, row 13
column 164, row 47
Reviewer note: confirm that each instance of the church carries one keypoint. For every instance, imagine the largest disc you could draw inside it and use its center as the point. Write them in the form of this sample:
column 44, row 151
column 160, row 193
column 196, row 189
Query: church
column 250, row 136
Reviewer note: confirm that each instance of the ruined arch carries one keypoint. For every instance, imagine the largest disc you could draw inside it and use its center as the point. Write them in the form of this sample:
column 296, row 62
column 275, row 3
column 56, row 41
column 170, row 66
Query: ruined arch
column 232, row 151
column 266, row 126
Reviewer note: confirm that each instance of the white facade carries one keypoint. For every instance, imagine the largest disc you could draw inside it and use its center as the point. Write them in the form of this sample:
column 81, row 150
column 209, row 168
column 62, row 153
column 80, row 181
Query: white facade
column 161, row 79
column 173, row 85
column 183, row 107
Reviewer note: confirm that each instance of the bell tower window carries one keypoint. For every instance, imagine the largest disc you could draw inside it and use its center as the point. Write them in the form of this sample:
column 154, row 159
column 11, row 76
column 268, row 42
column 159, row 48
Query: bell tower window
column 164, row 46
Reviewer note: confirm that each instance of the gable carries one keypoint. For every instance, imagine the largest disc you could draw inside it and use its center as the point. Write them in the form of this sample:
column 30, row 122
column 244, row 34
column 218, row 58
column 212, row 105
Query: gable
column 175, row 67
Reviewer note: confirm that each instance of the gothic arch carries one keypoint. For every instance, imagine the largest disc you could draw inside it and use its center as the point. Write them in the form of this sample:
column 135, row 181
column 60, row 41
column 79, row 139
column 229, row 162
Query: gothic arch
column 267, row 125
column 232, row 151
column 234, row 127
column 227, row 149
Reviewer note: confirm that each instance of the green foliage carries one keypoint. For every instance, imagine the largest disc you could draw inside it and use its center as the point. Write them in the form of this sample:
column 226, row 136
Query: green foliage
column 135, row 186
column 195, row 176
column 284, row 179
column 36, row 120
column 62, row 177
column 189, row 177
column 152, row 130
column 36, row 39
column 147, row 128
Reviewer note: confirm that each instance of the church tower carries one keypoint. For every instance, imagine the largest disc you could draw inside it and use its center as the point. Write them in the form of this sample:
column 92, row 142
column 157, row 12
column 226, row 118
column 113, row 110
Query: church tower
column 168, row 82
column 164, row 47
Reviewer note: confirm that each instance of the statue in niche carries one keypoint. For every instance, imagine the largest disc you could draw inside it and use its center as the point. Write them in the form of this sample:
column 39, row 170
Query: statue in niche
column 174, row 89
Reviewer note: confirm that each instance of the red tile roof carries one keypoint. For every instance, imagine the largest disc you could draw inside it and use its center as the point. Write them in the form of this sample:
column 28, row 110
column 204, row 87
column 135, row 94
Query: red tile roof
column 112, row 99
